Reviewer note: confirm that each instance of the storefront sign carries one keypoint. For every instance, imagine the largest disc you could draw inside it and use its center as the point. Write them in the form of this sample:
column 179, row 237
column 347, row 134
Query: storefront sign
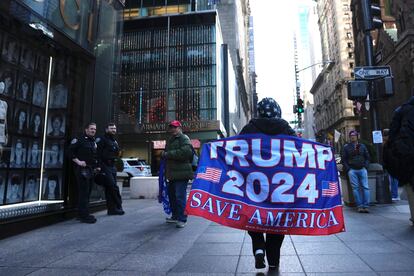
column 187, row 126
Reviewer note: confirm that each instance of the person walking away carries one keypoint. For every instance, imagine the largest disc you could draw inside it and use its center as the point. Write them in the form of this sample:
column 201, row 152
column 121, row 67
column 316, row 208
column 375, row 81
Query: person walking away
column 108, row 152
column 271, row 123
column 392, row 180
column 355, row 159
column 401, row 140
column 178, row 154
column 84, row 157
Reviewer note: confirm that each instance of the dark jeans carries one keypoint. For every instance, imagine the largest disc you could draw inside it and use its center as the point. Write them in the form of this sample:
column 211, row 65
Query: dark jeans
column 177, row 193
column 112, row 194
column 271, row 246
column 84, row 191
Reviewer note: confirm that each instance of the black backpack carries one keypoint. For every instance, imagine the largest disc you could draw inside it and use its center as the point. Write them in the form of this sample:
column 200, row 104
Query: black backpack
column 398, row 152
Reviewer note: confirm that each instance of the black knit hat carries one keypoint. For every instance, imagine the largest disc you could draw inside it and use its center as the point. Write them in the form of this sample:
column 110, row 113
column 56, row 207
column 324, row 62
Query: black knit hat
column 269, row 108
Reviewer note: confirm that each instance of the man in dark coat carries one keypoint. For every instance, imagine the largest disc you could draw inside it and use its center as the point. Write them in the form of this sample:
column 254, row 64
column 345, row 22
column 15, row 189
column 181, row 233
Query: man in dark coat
column 355, row 159
column 271, row 123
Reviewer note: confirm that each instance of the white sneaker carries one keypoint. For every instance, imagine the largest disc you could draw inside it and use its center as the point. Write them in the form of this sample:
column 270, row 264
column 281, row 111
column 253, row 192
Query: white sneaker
column 180, row 224
column 170, row 220
column 396, row 199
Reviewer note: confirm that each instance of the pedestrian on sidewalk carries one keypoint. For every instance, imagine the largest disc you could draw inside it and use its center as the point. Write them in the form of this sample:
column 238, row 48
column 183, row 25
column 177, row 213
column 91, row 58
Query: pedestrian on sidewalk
column 178, row 154
column 84, row 157
column 271, row 123
column 392, row 180
column 399, row 155
column 355, row 159
column 108, row 152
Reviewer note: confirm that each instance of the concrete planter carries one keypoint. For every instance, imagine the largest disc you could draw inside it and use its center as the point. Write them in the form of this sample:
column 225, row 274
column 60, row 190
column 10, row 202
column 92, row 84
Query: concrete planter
column 144, row 187
column 375, row 179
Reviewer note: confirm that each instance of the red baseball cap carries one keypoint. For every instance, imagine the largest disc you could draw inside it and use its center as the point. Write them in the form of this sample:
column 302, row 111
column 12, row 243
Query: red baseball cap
column 175, row 123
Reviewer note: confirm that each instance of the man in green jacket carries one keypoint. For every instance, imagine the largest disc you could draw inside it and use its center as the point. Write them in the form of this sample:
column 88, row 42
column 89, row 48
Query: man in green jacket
column 178, row 153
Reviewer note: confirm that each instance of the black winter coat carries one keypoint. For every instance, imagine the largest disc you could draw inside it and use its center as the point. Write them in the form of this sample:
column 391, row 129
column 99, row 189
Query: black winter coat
column 268, row 126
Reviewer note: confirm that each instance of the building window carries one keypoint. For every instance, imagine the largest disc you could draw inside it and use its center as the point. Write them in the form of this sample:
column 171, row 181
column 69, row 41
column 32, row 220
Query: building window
column 349, row 35
column 350, row 45
column 350, row 55
column 351, row 65
column 345, row 7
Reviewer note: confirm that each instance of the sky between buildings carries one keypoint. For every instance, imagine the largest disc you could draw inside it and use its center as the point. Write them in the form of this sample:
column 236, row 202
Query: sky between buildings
column 275, row 23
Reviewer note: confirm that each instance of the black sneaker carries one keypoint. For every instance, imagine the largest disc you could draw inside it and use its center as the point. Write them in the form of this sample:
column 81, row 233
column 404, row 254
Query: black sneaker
column 259, row 260
column 116, row 212
column 88, row 219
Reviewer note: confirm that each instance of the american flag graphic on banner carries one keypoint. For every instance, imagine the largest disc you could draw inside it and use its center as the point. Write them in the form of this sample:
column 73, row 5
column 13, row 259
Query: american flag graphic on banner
column 330, row 188
column 210, row 174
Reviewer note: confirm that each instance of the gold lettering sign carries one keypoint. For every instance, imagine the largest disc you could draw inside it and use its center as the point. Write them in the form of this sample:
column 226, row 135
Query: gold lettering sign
column 75, row 26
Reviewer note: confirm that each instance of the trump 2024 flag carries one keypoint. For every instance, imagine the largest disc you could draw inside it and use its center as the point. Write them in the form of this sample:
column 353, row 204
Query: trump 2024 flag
column 274, row 184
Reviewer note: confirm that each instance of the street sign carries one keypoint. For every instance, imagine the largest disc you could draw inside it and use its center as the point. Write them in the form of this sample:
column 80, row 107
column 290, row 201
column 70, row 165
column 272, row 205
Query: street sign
column 372, row 72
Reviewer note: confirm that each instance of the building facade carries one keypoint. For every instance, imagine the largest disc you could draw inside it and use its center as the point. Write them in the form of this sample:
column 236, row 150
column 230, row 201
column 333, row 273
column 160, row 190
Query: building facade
column 333, row 111
column 393, row 47
column 176, row 67
column 58, row 59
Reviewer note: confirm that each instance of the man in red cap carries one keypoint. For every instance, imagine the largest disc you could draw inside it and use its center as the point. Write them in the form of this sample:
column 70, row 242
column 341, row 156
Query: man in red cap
column 178, row 153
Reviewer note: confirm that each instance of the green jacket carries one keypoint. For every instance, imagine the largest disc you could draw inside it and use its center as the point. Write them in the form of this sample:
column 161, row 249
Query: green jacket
column 179, row 155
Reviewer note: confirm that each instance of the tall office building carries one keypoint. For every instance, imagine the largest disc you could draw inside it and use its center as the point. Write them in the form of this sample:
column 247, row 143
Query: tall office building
column 333, row 111
column 176, row 66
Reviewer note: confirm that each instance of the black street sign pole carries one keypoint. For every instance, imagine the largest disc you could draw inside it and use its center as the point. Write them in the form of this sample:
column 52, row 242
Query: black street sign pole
column 369, row 61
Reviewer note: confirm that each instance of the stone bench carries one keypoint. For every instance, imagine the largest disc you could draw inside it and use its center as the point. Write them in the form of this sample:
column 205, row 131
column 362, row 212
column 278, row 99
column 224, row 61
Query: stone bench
column 144, row 187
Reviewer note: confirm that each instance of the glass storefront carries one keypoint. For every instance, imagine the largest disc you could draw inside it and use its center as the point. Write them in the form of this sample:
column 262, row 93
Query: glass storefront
column 169, row 73
column 47, row 95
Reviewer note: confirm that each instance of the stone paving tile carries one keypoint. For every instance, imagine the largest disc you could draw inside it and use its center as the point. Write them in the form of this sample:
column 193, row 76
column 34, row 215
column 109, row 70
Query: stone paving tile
column 287, row 264
column 395, row 273
column 196, row 274
column 298, row 238
column 221, row 237
column 209, row 264
column 271, row 274
column 333, row 264
column 343, row 274
column 319, row 248
column 15, row 271
column 63, row 271
column 146, row 263
column 367, row 247
column 388, row 262
column 127, row 273
column 163, row 248
column 361, row 236
column 87, row 260
column 287, row 248
column 216, row 249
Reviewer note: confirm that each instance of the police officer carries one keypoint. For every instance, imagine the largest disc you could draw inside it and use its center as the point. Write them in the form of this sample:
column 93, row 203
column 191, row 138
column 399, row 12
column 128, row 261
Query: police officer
column 83, row 151
column 108, row 151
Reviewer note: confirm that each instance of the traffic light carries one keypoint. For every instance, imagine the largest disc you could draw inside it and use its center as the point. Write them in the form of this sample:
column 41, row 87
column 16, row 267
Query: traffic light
column 299, row 106
column 371, row 16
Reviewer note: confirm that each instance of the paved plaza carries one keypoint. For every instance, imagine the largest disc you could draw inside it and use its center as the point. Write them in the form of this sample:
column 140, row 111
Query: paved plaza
column 141, row 243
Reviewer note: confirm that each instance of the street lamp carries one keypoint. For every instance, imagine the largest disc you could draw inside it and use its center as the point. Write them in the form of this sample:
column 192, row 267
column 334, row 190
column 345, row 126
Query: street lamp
column 299, row 108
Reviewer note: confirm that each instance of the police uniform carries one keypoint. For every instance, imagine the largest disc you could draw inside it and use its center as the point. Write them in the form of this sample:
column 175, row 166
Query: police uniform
column 84, row 148
column 108, row 151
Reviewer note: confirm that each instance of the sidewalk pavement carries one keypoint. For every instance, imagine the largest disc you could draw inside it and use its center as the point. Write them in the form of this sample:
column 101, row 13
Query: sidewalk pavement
column 141, row 243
